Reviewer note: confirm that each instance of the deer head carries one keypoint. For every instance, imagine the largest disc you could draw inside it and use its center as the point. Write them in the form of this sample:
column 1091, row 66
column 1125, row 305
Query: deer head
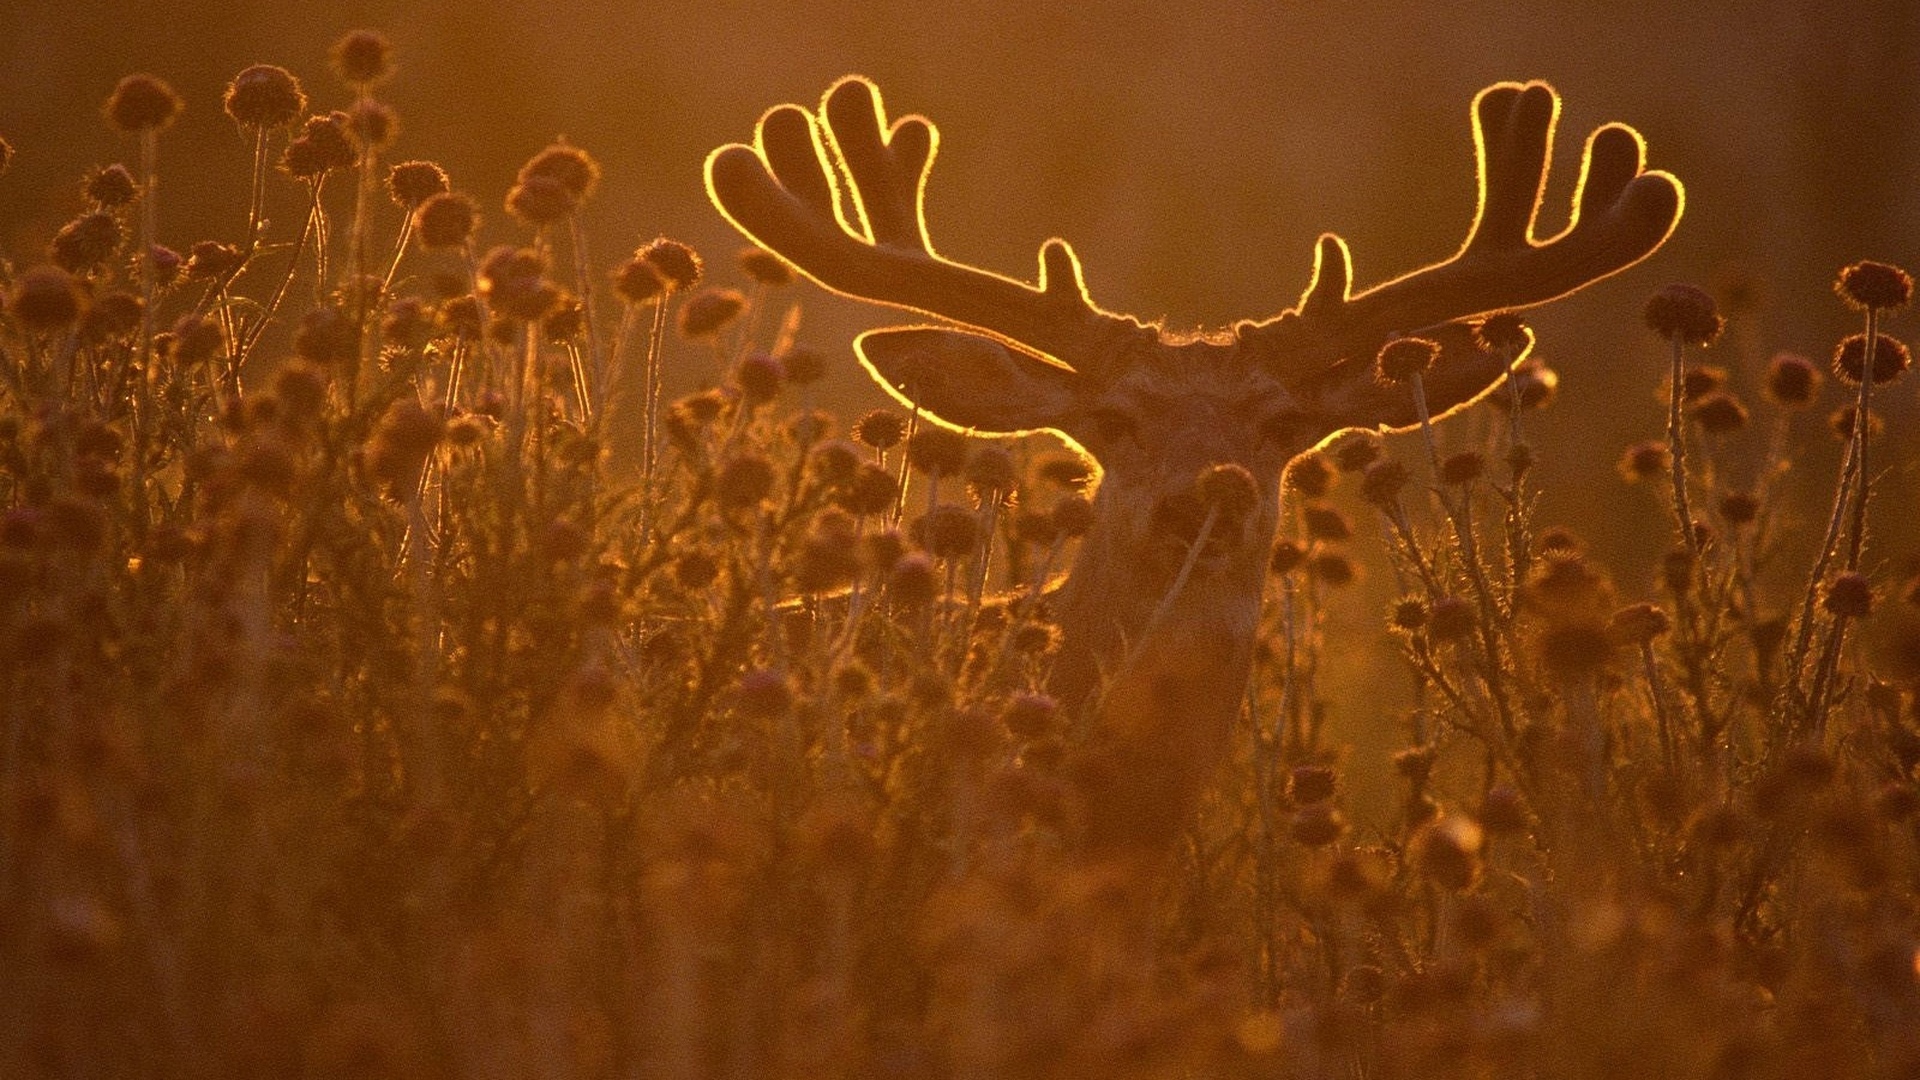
column 839, row 194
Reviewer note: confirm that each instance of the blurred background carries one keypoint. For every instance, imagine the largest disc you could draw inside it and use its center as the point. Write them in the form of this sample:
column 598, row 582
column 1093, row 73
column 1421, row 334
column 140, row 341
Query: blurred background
column 1190, row 151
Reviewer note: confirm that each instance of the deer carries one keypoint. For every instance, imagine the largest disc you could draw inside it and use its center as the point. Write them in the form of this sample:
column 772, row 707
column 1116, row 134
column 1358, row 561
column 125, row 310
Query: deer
column 1160, row 673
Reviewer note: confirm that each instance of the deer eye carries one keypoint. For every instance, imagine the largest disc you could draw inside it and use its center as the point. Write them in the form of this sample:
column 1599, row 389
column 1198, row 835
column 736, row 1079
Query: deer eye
column 1112, row 425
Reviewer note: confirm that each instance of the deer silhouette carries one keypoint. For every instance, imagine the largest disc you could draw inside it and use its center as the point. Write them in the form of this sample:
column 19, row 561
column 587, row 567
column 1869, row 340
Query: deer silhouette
column 839, row 195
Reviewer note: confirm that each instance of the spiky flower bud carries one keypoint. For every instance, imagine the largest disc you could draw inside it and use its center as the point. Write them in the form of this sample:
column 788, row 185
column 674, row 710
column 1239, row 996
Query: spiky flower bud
column 322, row 145
column 1793, row 381
column 264, row 96
column 142, row 103
column 706, row 313
column 1462, row 468
column 948, row 532
column 881, row 429
column 1850, row 596
column 765, row 267
column 937, row 451
column 86, row 242
column 744, row 481
column 111, row 187
column 1684, row 313
column 1890, row 358
column 1230, row 489
column 45, row 299
column 1874, row 285
column 1720, row 413
column 1402, row 359
column 1638, row 624
column 677, row 264
column 412, row 183
column 362, row 57
column 1310, row 476
column 1326, row 523
column 1648, row 460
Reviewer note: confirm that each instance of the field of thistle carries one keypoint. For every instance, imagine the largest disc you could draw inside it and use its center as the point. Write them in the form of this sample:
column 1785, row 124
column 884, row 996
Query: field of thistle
column 395, row 681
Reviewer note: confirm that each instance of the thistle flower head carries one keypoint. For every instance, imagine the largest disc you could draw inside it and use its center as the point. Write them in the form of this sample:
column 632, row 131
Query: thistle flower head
column 1890, row 358
column 264, row 96
column 142, row 103
column 1684, row 313
column 1401, row 359
column 111, row 187
column 1869, row 285
column 362, row 58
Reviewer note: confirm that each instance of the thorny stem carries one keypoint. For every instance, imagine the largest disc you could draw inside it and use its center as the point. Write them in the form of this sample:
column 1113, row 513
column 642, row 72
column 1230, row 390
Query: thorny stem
column 1862, row 439
column 286, row 280
column 1677, row 455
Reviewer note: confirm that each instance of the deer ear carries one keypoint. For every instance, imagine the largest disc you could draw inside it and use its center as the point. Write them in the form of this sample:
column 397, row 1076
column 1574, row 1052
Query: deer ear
column 968, row 380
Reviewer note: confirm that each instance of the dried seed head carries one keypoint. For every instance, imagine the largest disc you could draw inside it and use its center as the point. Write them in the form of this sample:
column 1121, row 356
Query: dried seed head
column 947, row 532
column 1503, row 811
column 572, row 168
column 991, row 470
column 408, row 325
column 1533, row 381
column 373, row 124
column 1310, row 475
column 1720, row 413
column 1326, row 523
column 759, row 377
column 1448, row 852
column 111, row 187
column 1793, row 381
column 446, row 220
column 322, row 145
column 1286, row 558
column 881, row 429
column 1029, row 715
column 326, row 337
column 1648, row 460
column 1850, row 596
column 708, row 312
column 1843, row 420
column 937, row 451
column 1639, row 624
column 46, row 299
column 913, row 582
column 1409, row 614
column 1871, row 285
column 836, row 462
column 197, row 340
column 86, row 242
column 1503, row 332
column 412, row 183
column 1382, row 482
column 1354, row 450
column 637, row 282
column 1700, row 380
column 1402, row 359
column 540, row 200
column 362, row 58
column 142, row 103
column 873, row 490
column 210, row 260
column 744, row 481
column 1308, row 784
column 1890, row 358
column 1230, row 489
column 264, row 96
column 765, row 267
column 1463, row 468
column 402, row 440
column 677, row 264
column 111, row 316
column 301, row 390
column 513, row 280
column 1317, row 825
column 804, row 366
column 1333, row 569
column 1684, row 313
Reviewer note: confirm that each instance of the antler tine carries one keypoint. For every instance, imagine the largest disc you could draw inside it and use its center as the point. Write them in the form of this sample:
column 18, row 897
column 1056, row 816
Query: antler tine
column 781, row 192
column 1622, row 213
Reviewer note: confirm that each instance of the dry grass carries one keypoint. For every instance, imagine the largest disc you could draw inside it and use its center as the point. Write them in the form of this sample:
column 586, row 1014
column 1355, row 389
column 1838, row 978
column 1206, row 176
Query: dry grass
column 357, row 718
